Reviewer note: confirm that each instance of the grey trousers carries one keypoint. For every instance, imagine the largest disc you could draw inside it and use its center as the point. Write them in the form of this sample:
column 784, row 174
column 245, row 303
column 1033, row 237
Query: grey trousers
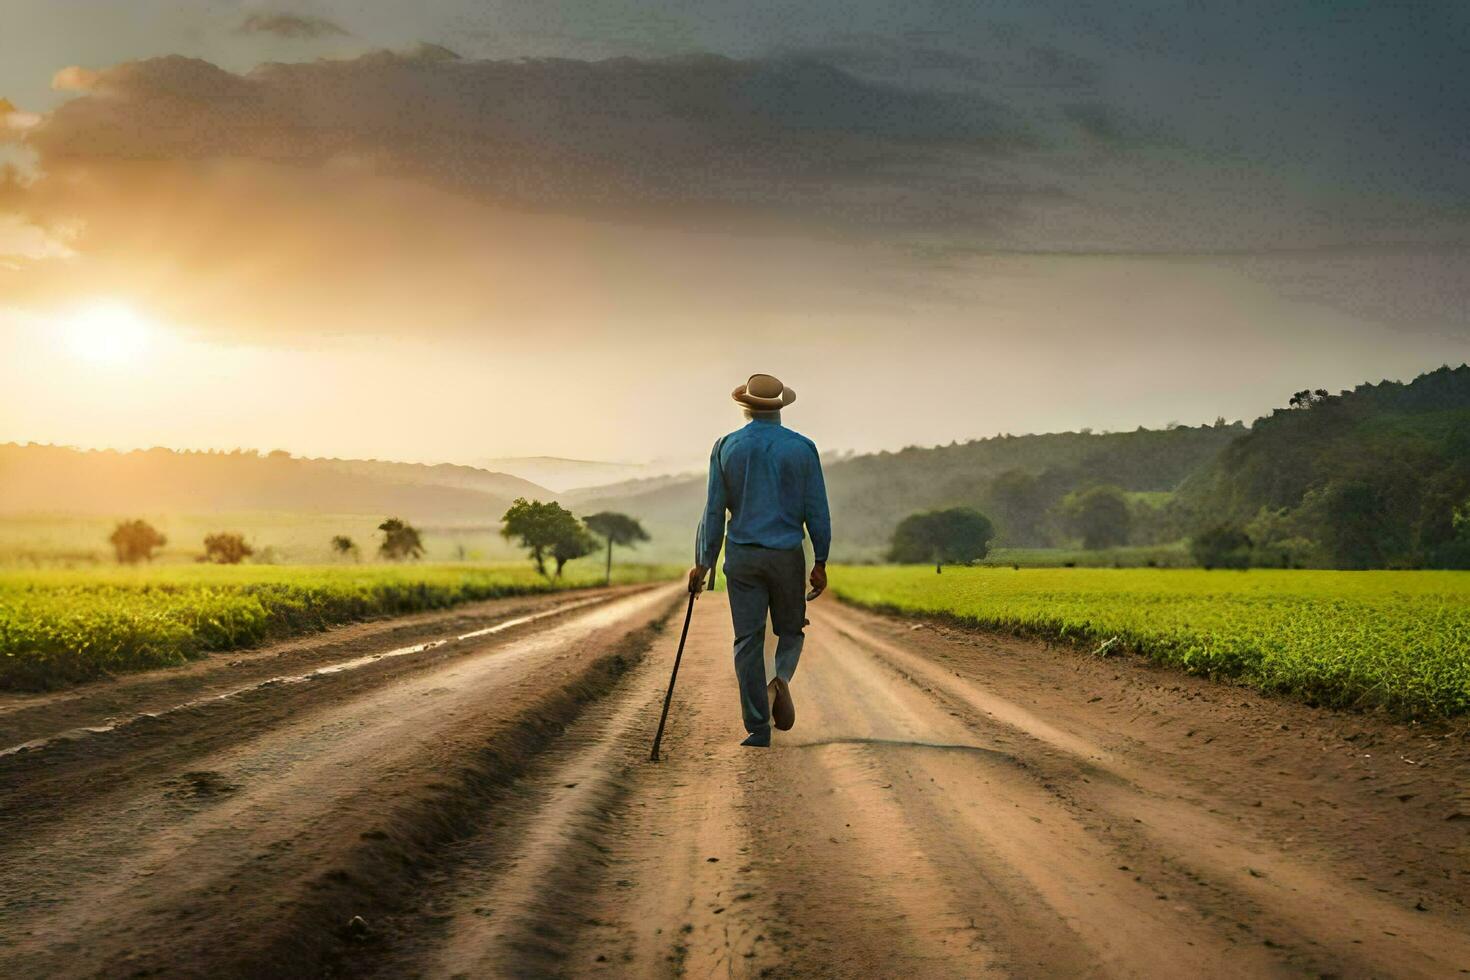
column 761, row 581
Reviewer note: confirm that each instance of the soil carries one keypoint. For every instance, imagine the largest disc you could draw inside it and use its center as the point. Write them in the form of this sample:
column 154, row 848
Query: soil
column 950, row 803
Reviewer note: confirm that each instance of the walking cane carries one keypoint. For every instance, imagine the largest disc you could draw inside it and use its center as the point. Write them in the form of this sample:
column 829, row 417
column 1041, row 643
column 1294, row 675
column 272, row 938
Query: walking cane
column 688, row 614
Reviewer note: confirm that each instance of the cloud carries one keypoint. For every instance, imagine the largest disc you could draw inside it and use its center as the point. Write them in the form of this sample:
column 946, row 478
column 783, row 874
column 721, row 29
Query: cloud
column 292, row 26
column 505, row 190
column 74, row 78
column 19, row 240
column 13, row 122
column 706, row 133
column 1051, row 67
column 1108, row 126
column 264, row 251
column 1000, row 61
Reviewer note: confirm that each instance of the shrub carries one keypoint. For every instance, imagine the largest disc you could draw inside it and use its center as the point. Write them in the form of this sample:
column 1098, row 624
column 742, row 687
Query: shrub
column 226, row 548
column 135, row 541
column 1222, row 546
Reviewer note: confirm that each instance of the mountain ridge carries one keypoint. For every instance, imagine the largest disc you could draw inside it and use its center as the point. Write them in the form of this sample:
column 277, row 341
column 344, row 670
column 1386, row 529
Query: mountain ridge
column 61, row 479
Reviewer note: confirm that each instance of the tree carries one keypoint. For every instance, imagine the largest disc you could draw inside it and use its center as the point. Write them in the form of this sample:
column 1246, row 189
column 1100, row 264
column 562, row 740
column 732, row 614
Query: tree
column 1100, row 515
column 1018, row 500
column 615, row 528
column 400, row 540
column 135, row 541
column 226, row 548
column 1222, row 546
column 1307, row 398
column 344, row 546
column 1277, row 540
column 1455, row 552
column 959, row 535
column 573, row 541
column 539, row 527
column 1352, row 521
column 1151, row 520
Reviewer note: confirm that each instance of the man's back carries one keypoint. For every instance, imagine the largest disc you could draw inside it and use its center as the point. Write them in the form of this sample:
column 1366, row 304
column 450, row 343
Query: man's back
column 769, row 478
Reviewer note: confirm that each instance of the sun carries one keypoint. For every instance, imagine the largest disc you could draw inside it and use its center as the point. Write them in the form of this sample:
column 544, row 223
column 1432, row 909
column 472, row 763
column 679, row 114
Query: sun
column 109, row 333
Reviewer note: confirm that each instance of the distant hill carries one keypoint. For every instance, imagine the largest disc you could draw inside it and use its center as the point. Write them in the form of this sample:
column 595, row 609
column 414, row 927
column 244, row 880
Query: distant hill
column 1366, row 478
column 870, row 494
column 62, row 480
column 568, row 474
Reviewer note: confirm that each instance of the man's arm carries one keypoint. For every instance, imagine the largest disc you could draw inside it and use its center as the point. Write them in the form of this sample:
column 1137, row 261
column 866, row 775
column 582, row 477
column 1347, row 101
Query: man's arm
column 711, row 534
column 818, row 521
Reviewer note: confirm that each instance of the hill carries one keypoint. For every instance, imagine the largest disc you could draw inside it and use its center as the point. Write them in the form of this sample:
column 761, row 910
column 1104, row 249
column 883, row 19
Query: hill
column 1368, row 478
column 560, row 474
column 63, row 480
column 1017, row 480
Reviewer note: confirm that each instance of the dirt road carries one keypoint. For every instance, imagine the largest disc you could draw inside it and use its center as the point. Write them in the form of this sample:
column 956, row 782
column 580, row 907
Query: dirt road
column 948, row 804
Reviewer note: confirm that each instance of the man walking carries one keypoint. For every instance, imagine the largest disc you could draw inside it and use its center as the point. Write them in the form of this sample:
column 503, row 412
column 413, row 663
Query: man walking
column 770, row 480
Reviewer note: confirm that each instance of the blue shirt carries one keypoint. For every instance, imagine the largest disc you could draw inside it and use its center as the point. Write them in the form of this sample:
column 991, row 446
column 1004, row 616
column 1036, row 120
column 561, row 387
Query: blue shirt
column 770, row 480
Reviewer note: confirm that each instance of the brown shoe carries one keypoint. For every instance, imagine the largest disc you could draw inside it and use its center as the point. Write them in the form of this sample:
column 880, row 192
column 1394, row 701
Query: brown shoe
column 783, row 709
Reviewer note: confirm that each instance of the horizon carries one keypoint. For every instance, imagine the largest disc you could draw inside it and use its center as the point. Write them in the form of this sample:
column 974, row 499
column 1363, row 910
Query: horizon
column 827, row 451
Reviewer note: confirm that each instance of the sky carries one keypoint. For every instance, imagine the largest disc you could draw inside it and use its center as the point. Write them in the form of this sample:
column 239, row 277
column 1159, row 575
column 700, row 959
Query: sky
column 460, row 230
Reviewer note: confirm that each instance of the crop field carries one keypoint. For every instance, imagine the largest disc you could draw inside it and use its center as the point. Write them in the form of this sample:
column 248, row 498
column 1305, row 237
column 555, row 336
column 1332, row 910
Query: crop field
column 1393, row 640
column 60, row 627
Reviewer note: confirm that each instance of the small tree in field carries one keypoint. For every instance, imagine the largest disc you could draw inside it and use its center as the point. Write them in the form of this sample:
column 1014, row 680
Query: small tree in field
column 959, row 535
column 1100, row 514
column 539, row 527
column 226, row 548
column 400, row 540
column 135, row 541
column 616, row 528
column 573, row 542
column 343, row 546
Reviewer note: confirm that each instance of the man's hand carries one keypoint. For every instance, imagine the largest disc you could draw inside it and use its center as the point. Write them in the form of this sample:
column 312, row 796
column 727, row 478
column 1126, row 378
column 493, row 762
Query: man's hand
column 697, row 575
column 819, row 577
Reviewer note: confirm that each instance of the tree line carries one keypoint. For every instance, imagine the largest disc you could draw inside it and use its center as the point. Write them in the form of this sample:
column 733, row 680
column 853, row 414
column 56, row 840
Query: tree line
column 547, row 531
column 1375, row 477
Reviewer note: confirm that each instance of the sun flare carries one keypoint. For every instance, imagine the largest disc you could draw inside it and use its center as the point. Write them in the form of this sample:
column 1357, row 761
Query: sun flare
column 108, row 333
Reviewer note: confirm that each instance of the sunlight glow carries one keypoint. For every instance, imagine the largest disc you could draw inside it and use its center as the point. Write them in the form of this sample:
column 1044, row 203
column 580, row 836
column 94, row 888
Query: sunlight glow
column 107, row 333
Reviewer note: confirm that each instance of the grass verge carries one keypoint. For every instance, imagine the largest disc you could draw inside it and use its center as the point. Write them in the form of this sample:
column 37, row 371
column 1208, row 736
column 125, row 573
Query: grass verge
column 62, row 627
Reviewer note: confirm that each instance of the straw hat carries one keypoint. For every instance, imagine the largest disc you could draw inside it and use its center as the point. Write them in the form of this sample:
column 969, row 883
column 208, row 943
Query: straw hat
column 764, row 393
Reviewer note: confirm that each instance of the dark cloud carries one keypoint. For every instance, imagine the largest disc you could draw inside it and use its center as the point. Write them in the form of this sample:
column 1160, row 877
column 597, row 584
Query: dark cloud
column 1002, row 61
column 863, row 140
column 790, row 135
column 1108, row 126
column 1051, row 67
column 293, row 26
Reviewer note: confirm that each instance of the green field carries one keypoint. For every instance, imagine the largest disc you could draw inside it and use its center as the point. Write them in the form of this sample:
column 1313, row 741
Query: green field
column 1395, row 640
column 59, row 627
